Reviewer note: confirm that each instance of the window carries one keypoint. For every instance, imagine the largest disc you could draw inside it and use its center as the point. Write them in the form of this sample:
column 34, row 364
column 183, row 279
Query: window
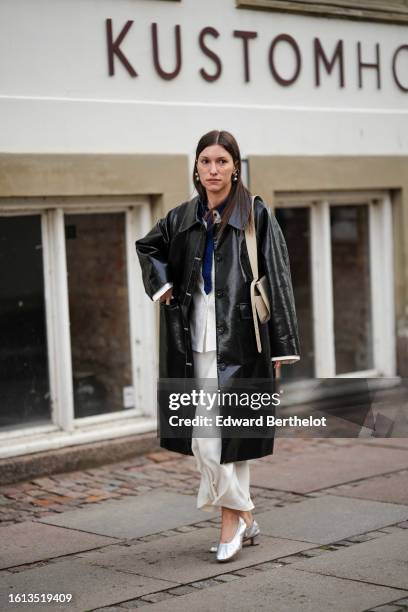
column 74, row 320
column 340, row 249
column 24, row 368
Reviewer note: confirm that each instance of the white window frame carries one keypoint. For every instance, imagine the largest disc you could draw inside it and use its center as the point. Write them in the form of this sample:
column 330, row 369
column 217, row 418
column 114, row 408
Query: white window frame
column 64, row 429
column 381, row 277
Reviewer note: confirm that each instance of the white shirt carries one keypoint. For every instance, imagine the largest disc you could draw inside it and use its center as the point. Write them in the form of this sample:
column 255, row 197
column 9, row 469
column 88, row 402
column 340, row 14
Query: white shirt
column 202, row 320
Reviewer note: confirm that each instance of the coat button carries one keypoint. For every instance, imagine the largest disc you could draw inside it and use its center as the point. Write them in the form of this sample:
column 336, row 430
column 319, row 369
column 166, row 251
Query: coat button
column 221, row 329
column 222, row 366
column 218, row 258
column 219, row 292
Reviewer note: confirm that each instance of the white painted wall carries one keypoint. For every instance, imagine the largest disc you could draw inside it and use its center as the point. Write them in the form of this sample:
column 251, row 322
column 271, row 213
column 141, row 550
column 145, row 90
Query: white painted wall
column 56, row 95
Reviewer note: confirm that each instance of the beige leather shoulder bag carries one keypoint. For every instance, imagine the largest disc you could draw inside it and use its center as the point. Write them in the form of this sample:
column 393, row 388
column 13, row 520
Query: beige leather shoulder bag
column 259, row 292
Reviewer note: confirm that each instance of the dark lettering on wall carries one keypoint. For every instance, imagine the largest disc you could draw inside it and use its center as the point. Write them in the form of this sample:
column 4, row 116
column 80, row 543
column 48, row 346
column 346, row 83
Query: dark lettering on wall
column 167, row 76
column 289, row 39
column 212, row 32
column 329, row 65
column 246, row 36
column 394, row 67
column 323, row 62
column 375, row 65
column 115, row 50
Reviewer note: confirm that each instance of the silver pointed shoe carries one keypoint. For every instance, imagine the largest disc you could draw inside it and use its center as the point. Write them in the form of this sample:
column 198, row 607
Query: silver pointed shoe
column 250, row 533
column 227, row 550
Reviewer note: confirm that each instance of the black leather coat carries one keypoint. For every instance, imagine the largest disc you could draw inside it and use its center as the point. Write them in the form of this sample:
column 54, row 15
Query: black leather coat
column 173, row 251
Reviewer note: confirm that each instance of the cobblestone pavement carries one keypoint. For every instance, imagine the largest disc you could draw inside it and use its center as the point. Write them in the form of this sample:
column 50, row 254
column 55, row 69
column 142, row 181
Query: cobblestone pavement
column 58, row 493
column 28, row 502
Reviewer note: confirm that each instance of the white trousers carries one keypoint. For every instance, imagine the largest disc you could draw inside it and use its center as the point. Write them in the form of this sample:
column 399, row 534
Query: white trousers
column 225, row 484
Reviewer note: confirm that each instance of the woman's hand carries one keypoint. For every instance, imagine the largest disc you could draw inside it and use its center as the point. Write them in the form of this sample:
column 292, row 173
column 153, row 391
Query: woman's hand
column 166, row 297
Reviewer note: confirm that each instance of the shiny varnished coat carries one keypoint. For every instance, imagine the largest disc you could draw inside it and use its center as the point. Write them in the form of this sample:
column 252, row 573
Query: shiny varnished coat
column 173, row 251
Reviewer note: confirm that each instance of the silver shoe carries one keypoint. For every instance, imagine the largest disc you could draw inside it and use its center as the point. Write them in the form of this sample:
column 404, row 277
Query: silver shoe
column 250, row 533
column 227, row 550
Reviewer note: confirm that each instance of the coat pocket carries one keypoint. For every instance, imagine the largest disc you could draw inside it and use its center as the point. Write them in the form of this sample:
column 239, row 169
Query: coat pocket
column 245, row 310
column 173, row 327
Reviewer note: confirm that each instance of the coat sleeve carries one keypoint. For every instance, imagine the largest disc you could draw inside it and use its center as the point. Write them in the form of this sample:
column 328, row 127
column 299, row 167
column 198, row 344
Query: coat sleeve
column 283, row 327
column 153, row 251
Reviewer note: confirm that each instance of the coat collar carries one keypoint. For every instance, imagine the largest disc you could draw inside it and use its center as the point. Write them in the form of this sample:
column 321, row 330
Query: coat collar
column 191, row 216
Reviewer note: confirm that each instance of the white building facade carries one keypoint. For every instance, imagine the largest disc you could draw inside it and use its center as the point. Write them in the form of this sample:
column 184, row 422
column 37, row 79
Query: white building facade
column 102, row 104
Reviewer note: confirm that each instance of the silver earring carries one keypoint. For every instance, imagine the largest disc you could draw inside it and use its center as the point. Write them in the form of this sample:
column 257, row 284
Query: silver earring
column 196, row 176
column 234, row 177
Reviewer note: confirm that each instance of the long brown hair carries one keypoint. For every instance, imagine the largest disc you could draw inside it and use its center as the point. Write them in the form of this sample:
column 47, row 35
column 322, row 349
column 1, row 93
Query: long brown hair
column 239, row 195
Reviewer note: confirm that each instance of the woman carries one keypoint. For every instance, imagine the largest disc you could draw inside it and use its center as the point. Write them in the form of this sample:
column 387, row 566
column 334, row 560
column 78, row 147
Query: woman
column 195, row 261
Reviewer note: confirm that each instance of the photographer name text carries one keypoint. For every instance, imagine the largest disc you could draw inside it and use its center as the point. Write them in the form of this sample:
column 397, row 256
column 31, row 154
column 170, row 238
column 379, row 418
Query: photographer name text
column 260, row 421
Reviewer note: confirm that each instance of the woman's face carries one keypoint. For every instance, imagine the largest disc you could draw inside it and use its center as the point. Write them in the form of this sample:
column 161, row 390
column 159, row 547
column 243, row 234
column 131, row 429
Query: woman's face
column 215, row 167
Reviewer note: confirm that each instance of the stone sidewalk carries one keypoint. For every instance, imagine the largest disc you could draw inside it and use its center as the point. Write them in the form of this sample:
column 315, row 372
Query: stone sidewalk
column 333, row 515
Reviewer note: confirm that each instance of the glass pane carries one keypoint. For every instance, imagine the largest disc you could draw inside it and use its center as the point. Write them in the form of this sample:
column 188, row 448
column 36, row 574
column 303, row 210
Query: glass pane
column 351, row 288
column 295, row 224
column 24, row 382
column 99, row 316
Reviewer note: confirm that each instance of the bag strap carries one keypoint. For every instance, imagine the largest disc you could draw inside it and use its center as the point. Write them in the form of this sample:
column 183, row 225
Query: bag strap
column 250, row 237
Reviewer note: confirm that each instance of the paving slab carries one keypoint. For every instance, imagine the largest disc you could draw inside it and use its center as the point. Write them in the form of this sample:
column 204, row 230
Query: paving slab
column 390, row 488
column 186, row 557
column 382, row 561
column 31, row 541
column 91, row 586
column 397, row 442
column 285, row 590
column 329, row 518
column 317, row 469
column 136, row 516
